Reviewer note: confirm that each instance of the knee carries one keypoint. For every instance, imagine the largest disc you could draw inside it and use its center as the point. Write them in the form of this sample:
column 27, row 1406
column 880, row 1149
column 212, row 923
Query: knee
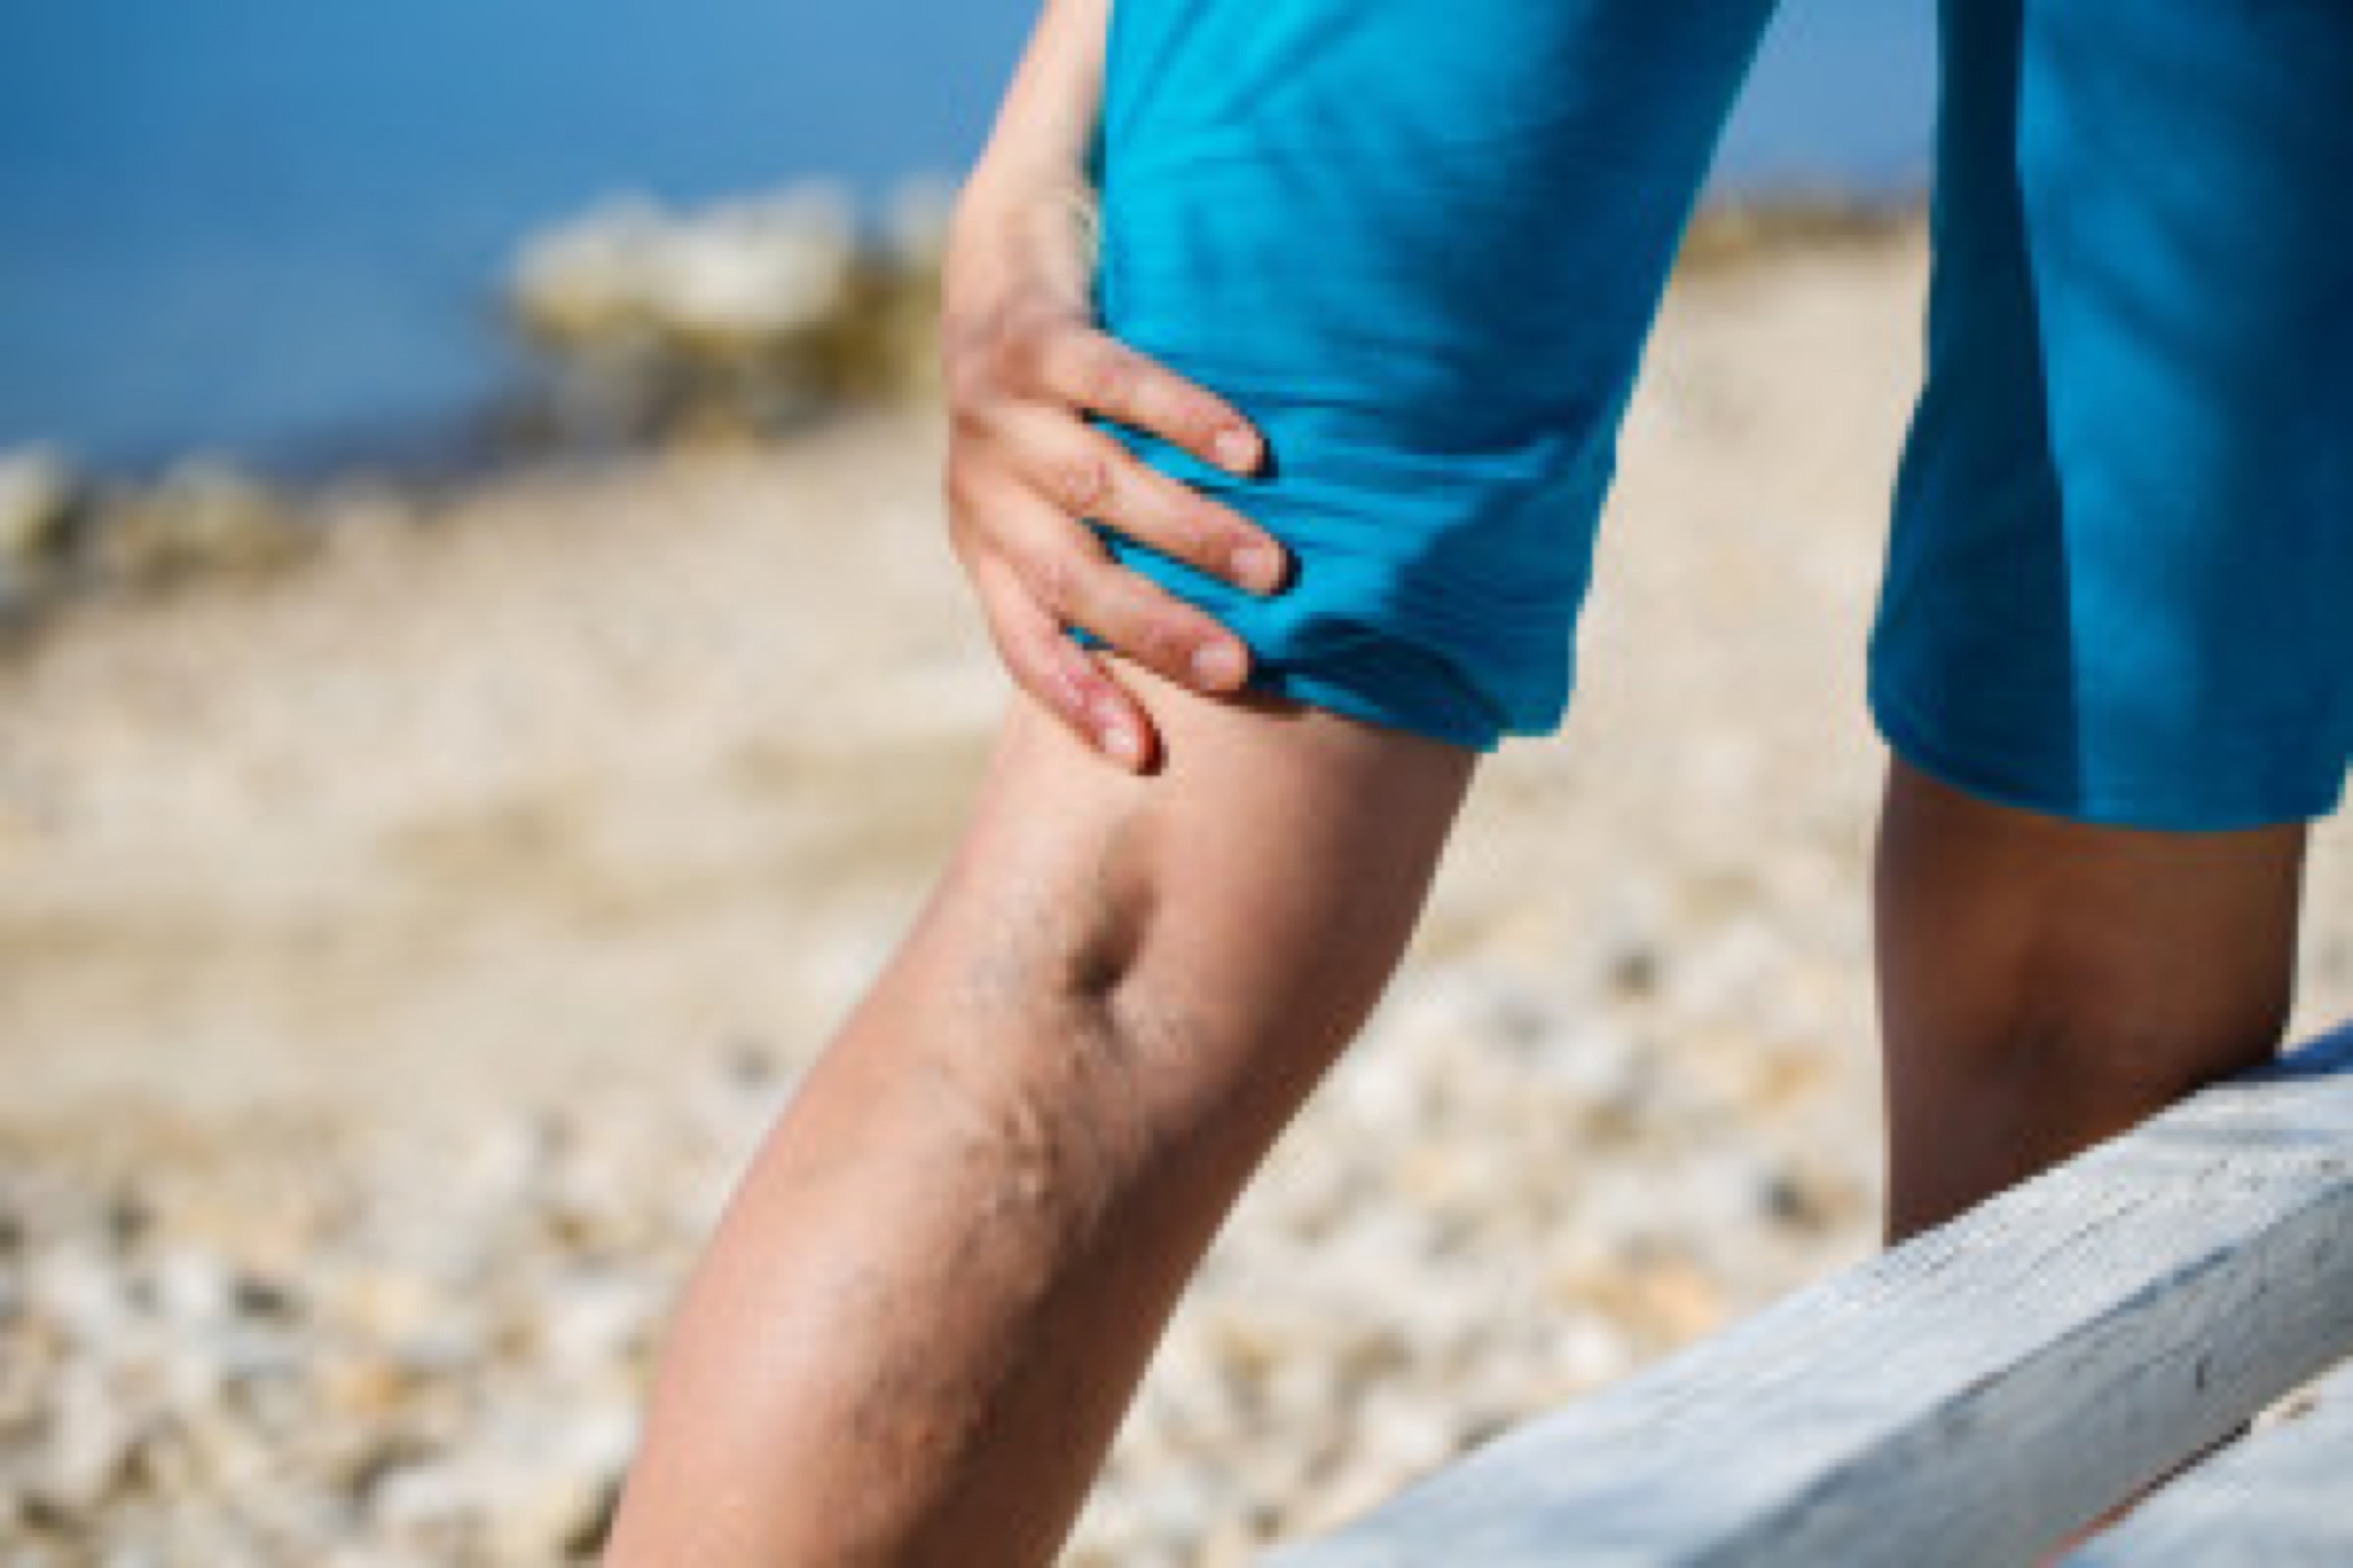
column 1153, row 975
column 1071, row 1064
column 1134, row 973
column 2090, row 1026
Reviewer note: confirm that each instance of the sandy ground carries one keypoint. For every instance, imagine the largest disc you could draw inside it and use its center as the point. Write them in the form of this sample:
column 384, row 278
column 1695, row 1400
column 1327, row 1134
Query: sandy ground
column 574, row 790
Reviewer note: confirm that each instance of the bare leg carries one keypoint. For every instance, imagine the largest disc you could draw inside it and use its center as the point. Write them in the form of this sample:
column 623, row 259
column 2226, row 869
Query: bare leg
column 930, row 1300
column 2045, row 983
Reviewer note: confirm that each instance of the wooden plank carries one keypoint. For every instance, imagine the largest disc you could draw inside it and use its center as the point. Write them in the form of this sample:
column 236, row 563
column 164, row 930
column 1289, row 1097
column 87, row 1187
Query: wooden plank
column 1968, row 1398
column 2276, row 1496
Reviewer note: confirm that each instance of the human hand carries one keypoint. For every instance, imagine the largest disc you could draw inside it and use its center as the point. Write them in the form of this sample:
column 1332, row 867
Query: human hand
column 1023, row 361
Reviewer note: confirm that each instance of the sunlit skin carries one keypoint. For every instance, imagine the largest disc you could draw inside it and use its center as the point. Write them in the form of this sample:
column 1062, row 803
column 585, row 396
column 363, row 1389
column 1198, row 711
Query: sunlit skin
column 932, row 1295
column 929, row 1304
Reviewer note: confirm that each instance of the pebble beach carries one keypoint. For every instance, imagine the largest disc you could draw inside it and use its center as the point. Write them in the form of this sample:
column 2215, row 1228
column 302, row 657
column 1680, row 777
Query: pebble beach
column 402, row 948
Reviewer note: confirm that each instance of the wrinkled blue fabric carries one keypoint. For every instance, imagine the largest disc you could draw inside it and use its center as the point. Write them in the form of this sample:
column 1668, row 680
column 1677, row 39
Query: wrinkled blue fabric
column 2119, row 583
column 1420, row 243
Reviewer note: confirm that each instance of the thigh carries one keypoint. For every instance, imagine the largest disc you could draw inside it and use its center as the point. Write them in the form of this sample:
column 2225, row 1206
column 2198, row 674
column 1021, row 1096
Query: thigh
column 2123, row 532
column 1420, row 243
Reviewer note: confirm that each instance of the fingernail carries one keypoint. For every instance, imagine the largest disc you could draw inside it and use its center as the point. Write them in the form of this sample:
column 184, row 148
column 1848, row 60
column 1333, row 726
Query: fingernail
column 1235, row 449
column 1218, row 664
column 1123, row 743
column 1256, row 566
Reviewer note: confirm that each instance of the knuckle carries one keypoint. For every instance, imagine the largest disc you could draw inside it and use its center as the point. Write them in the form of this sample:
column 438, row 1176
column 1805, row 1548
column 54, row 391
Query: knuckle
column 1063, row 685
column 968, row 362
column 972, row 386
column 1106, row 379
column 1080, row 480
column 1052, row 579
column 1142, row 392
column 968, row 410
column 989, row 364
column 1052, row 364
column 1013, row 353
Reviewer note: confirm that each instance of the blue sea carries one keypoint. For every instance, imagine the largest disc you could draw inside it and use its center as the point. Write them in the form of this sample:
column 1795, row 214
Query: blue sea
column 276, row 229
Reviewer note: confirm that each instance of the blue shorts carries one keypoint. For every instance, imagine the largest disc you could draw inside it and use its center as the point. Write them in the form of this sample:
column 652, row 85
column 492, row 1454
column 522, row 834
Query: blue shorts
column 1421, row 244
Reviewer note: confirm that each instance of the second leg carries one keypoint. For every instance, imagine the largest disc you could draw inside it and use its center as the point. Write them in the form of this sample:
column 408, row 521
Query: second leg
column 2045, row 983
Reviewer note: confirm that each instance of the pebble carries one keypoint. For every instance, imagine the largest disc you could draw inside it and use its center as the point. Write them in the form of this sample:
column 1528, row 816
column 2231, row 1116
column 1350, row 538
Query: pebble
column 460, row 1381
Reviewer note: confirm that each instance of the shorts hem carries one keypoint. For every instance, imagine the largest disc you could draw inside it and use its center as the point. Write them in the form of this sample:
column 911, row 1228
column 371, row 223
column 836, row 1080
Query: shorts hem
column 1320, row 691
column 1913, row 740
column 1351, row 701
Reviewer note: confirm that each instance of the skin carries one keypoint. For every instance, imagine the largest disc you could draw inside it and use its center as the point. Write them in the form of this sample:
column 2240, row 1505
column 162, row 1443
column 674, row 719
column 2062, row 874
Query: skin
column 930, row 1300
column 2045, row 983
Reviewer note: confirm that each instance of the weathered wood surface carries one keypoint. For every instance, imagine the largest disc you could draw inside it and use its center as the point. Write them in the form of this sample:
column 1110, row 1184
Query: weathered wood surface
column 1966, row 1398
column 2282, row 1497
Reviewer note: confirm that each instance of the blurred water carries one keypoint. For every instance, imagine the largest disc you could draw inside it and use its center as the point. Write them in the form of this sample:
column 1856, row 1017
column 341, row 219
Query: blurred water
column 276, row 226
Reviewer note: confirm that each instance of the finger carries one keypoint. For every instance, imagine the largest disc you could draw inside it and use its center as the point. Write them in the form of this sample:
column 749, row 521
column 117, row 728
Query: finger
column 1059, row 676
column 1077, row 365
column 1073, row 577
column 1088, row 474
column 1067, row 571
